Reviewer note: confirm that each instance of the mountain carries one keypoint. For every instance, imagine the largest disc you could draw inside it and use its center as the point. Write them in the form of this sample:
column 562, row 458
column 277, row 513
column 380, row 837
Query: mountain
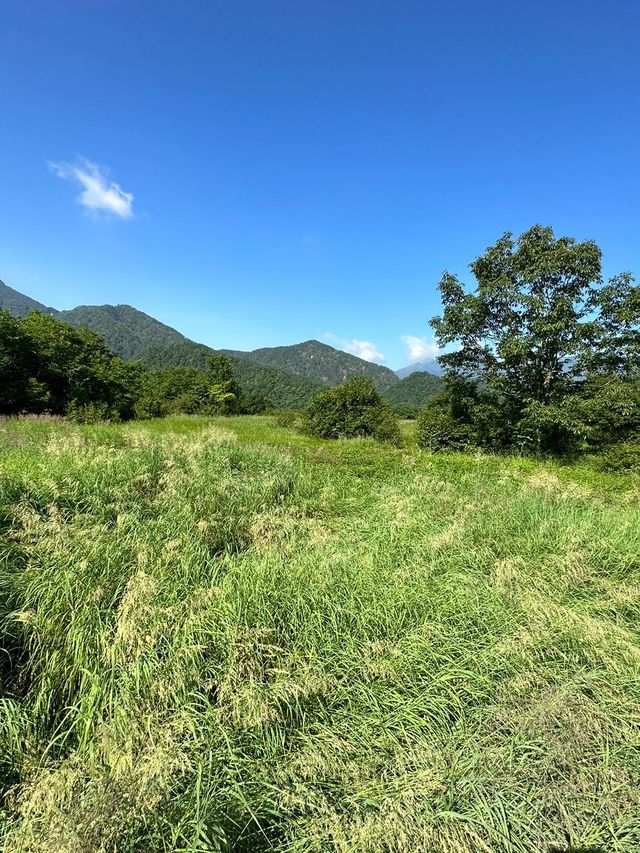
column 319, row 362
column 135, row 335
column 20, row 305
column 428, row 365
column 415, row 388
column 126, row 330
column 283, row 390
column 287, row 376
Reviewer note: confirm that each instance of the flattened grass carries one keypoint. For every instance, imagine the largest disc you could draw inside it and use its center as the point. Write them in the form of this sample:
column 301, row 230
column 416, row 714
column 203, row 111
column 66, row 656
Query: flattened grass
column 222, row 635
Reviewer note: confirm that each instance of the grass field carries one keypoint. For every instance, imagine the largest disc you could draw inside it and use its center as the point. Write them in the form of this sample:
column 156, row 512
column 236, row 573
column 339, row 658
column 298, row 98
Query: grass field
column 219, row 635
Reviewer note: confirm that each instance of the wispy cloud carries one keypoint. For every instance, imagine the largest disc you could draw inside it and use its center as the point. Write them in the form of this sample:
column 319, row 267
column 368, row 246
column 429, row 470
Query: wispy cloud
column 363, row 349
column 99, row 193
column 419, row 349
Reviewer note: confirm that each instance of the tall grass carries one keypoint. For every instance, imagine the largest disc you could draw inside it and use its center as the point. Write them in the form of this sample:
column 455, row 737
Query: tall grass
column 220, row 635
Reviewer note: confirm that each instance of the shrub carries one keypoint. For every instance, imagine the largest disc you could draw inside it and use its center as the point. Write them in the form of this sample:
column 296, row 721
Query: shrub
column 253, row 404
column 352, row 410
column 439, row 429
column 608, row 409
column 620, row 457
column 549, row 430
column 405, row 411
column 446, row 422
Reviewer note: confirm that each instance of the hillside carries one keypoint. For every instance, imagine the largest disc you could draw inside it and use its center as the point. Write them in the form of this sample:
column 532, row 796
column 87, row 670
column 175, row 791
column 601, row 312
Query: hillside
column 126, row 330
column 283, row 390
column 414, row 389
column 320, row 362
column 20, row 305
column 135, row 335
column 287, row 376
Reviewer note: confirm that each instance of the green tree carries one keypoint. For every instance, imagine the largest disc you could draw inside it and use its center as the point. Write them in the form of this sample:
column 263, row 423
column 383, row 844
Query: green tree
column 46, row 366
column 17, row 392
column 355, row 409
column 225, row 391
column 523, row 330
column 538, row 325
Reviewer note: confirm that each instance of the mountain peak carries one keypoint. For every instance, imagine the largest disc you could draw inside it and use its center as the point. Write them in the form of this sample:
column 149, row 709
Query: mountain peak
column 427, row 365
column 320, row 362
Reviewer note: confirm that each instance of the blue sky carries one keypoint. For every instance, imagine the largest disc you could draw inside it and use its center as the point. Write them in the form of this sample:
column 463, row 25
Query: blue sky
column 261, row 173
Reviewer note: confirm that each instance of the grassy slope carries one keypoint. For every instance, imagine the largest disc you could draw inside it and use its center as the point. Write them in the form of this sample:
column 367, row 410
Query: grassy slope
column 225, row 636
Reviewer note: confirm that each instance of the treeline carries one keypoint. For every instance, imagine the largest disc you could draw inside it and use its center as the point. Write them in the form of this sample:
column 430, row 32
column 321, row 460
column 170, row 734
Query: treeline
column 541, row 357
column 46, row 366
column 283, row 390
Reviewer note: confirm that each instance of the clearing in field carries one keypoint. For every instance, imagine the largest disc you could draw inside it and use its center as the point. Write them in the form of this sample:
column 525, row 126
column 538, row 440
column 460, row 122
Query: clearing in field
column 221, row 635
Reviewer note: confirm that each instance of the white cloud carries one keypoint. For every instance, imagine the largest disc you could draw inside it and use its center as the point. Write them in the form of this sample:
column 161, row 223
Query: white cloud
column 419, row 349
column 99, row 194
column 363, row 349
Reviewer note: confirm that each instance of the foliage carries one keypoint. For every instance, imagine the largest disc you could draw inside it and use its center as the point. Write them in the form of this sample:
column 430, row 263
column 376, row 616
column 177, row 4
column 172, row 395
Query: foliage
column 279, row 390
column 189, row 391
column 607, row 408
column 620, row 457
column 213, row 643
column 46, row 366
column 405, row 411
column 414, row 389
column 126, row 330
column 253, row 404
column 353, row 410
column 90, row 413
column 288, row 420
column 528, row 328
column 446, row 420
column 538, row 337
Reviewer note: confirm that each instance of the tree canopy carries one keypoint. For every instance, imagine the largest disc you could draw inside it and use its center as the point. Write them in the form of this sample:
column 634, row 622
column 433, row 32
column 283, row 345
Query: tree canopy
column 540, row 331
column 539, row 317
column 46, row 366
column 353, row 410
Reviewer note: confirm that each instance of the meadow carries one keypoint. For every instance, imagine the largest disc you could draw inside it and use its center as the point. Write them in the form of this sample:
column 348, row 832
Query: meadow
column 218, row 634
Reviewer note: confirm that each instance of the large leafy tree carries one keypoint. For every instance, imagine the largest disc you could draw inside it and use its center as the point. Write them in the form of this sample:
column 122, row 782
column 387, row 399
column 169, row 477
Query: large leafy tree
column 539, row 318
column 47, row 366
column 225, row 391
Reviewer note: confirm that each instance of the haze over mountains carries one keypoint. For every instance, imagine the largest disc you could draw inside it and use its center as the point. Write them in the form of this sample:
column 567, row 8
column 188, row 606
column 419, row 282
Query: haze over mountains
column 286, row 376
column 429, row 365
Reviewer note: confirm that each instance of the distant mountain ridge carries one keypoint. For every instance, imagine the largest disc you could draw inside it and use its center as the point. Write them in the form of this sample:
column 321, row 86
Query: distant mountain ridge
column 415, row 388
column 126, row 329
column 427, row 365
column 320, row 363
column 287, row 376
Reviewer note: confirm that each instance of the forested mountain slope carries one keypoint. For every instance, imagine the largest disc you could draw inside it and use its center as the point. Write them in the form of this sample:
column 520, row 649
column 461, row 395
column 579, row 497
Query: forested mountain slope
column 286, row 376
column 415, row 389
column 19, row 304
column 320, row 362
column 125, row 329
column 282, row 390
